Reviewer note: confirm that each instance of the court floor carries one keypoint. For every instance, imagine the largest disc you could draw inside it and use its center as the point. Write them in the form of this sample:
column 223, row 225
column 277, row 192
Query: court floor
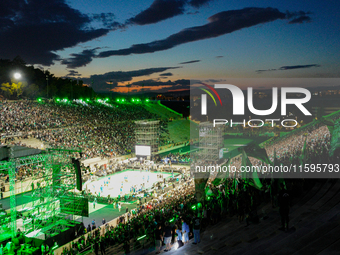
column 122, row 182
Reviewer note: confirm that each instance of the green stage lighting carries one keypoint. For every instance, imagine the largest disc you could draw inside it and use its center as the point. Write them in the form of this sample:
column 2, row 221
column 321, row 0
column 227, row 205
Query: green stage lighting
column 172, row 220
column 138, row 100
column 193, row 207
column 58, row 100
column 106, row 99
column 123, row 100
column 139, row 238
column 87, row 100
column 133, row 99
column 39, row 99
column 66, row 99
column 147, row 100
column 117, row 99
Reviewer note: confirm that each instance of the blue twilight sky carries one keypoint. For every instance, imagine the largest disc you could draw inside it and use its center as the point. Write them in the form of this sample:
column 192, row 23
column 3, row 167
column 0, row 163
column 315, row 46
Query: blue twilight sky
column 160, row 45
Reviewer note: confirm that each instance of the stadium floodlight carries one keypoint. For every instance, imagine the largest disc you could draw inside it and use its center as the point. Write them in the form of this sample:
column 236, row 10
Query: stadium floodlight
column 17, row 76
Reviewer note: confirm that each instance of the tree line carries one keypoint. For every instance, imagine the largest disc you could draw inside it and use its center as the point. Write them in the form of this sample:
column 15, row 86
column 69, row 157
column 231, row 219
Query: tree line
column 35, row 82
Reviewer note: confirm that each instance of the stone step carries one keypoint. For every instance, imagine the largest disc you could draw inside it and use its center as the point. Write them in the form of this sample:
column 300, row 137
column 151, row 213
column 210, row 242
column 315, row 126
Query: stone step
column 285, row 239
column 325, row 240
column 332, row 249
column 273, row 240
column 266, row 229
column 308, row 195
column 304, row 238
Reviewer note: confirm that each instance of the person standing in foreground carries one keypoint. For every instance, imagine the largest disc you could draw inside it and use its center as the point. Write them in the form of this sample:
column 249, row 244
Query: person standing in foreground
column 284, row 204
column 96, row 247
column 185, row 230
column 178, row 231
column 102, row 246
column 158, row 238
column 167, row 236
column 197, row 227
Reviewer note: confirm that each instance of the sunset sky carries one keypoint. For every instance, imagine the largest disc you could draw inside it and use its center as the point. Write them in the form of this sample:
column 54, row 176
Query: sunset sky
column 160, row 45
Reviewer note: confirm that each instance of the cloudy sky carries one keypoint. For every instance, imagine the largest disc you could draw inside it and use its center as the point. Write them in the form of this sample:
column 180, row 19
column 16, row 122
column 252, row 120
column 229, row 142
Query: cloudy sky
column 160, row 45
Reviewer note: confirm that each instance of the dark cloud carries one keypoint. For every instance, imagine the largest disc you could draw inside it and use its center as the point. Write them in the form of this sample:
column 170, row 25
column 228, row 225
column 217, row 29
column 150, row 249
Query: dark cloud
column 159, row 10
column 183, row 82
column 265, row 70
column 290, row 15
column 166, row 74
column 152, row 82
column 198, row 3
column 219, row 24
column 189, row 62
column 298, row 67
column 193, row 13
column 298, row 17
column 99, row 81
column 208, row 81
column 36, row 29
column 73, row 73
column 80, row 59
column 301, row 19
column 107, row 19
column 284, row 68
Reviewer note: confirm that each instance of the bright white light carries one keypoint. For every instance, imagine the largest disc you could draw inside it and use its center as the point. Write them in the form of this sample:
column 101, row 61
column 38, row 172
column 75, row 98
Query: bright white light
column 17, row 75
column 143, row 150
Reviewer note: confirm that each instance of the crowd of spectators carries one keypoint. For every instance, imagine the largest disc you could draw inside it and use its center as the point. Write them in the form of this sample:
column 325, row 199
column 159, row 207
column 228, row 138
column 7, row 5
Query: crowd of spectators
column 108, row 131
column 175, row 157
column 177, row 210
column 28, row 115
column 173, row 207
column 288, row 150
column 98, row 128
